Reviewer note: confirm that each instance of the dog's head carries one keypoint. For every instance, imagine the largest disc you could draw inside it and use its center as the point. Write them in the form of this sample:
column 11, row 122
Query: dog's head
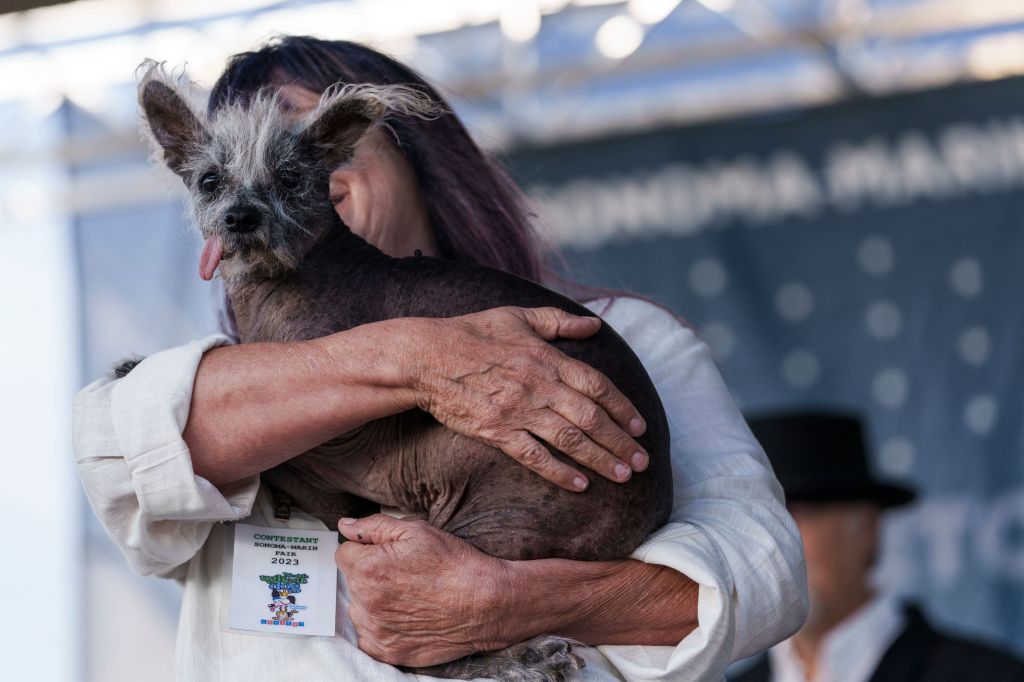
column 257, row 173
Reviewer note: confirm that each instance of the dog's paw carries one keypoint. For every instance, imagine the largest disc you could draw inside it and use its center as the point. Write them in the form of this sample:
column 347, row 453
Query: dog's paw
column 543, row 659
column 122, row 369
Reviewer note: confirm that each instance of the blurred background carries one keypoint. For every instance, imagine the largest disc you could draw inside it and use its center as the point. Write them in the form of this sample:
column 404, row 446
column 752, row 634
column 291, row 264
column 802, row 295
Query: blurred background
column 830, row 191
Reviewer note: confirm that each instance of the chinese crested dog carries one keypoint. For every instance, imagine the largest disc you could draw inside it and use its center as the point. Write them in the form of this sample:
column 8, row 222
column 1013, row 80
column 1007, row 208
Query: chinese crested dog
column 258, row 180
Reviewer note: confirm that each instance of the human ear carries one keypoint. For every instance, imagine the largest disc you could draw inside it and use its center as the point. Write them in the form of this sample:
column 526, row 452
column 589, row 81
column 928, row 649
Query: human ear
column 871, row 534
column 172, row 126
column 339, row 185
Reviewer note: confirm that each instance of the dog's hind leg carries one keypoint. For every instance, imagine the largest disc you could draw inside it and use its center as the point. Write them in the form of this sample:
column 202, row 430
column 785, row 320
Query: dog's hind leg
column 546, row 658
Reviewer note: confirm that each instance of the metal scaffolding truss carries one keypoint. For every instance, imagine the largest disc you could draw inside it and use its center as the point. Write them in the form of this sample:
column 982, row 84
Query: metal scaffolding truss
column 518, row 71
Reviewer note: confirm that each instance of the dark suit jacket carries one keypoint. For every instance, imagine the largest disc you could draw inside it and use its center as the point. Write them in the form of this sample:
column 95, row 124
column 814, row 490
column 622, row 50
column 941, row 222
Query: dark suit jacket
column 922, row 653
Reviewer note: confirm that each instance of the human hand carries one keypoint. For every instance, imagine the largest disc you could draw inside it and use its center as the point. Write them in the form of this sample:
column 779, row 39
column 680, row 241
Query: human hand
column 419, row 596
column 492, row 376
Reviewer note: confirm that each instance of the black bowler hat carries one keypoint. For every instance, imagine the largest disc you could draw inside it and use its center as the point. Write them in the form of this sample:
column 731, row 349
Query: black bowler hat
column 822, row 457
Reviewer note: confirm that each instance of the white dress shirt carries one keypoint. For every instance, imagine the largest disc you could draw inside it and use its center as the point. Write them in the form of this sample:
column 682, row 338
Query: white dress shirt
column 852, row 650
column 729, row 530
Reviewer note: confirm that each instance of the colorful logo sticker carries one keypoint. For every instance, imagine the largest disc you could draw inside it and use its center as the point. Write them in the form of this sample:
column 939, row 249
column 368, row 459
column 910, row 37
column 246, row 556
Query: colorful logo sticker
column 283, row 588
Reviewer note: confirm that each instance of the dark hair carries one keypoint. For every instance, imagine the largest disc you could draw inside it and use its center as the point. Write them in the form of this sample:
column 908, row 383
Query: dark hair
column 478, row 213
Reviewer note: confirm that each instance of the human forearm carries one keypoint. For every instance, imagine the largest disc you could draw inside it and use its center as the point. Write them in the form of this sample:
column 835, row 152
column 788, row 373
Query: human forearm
column 256, row 405
column 421, row 596
column 490, row 375
column 608, row 602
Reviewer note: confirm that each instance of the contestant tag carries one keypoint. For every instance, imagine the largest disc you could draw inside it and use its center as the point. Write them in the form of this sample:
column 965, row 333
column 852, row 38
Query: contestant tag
column 284, row 580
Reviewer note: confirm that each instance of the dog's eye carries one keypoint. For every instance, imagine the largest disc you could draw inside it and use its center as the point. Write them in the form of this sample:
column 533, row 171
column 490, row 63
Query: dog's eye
column 209, row 182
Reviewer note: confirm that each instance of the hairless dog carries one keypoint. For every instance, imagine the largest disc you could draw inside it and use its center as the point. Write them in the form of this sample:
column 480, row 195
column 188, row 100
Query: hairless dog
column 258, row 180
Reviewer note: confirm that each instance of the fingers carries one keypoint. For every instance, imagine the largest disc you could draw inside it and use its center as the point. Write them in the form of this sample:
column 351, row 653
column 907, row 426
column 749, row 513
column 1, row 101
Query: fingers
column 601, row 429
column 365, row 627
column 551, row 323
column 575, row 443
column 377, row 529
column 541, row 390
column 529, row 452
column 554, row 323
column 360, row 619
column 597, row 387
column 350, row 555
column 585, row 432
column 383, row 643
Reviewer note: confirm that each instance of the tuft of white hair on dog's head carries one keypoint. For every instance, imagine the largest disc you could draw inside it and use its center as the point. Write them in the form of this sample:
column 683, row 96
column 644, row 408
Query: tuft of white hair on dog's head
column 251, row 134
column 258, row 153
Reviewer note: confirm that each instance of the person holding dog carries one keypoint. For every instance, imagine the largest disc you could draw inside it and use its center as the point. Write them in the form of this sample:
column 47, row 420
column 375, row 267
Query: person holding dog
column 176, row 447
column 853, row 633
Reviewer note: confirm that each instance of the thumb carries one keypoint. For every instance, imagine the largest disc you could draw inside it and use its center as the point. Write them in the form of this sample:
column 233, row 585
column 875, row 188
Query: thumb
column 377, row 529
column 552, row 323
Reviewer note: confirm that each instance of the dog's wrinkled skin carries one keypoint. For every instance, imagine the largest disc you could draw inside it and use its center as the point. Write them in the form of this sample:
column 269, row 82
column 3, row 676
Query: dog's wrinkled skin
column 259, row 185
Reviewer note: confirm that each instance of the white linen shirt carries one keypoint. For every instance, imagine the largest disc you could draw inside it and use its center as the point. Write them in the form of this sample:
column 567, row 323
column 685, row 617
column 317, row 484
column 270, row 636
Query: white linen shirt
column 729, row 530
column 852, row 650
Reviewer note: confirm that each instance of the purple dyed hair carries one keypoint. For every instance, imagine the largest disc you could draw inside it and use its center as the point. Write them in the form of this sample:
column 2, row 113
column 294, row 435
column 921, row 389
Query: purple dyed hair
column 478, row 213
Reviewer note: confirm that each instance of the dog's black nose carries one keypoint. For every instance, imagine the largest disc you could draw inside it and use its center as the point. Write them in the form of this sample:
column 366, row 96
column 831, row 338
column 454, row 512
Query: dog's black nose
column 242, row 219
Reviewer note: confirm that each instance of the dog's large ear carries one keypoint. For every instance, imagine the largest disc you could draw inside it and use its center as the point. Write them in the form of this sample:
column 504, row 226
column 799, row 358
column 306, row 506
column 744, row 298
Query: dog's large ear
column 172, row 125
column 346, row 113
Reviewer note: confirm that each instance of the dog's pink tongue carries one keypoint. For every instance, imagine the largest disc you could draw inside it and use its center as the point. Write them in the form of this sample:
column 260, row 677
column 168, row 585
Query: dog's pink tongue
column 212, row 253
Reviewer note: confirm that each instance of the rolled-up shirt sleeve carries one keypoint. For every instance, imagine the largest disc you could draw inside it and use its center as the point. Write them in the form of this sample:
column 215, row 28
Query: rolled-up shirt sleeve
column 729, row 531
column 136, row 468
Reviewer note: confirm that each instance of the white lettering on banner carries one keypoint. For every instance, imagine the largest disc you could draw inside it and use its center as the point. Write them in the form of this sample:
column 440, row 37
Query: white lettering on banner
column 1005, row 521
column 942, row 528
column 939, row 540
column 684, row 199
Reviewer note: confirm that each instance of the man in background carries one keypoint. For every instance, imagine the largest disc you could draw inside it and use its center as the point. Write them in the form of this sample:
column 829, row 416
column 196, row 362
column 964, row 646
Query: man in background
column 853, row 633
